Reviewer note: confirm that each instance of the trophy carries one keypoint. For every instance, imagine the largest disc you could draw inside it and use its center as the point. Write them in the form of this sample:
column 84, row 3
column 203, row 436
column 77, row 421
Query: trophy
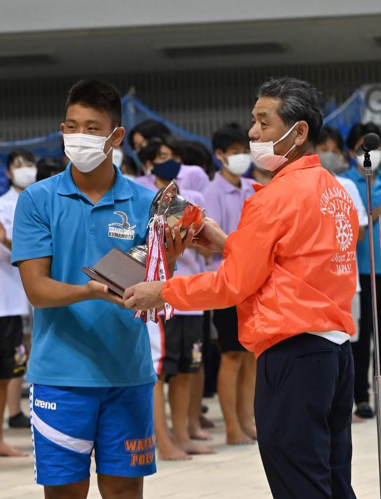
column 177, row 212
column 119, row 270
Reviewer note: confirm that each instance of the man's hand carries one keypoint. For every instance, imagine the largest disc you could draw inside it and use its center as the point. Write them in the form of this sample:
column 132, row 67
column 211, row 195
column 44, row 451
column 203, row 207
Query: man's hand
column 176, row 246
column 3, row 237
column 211, row 237
column 144, row 296
column 98, row 291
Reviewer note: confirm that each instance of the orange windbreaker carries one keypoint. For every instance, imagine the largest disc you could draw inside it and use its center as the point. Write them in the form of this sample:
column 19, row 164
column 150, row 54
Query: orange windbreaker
column 290, row 267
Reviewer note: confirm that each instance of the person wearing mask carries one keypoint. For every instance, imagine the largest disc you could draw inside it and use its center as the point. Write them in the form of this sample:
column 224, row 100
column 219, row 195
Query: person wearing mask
column 90, row 369
column 225, row 197
column 188, row 177
column 181, row 365
column 361, row 348
column 290, row 269
column 21, row 172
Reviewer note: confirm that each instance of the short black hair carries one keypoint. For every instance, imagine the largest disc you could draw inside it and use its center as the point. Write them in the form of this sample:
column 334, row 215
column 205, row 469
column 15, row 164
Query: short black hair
column 299, row 101
column 98, row 95
column 148, row 129
column 229, row 134
column 17, row 153
column 195, row 153
column 47, row 167
column 329, row 132
column 359, row 130
column 129, row 162
column 151, row 150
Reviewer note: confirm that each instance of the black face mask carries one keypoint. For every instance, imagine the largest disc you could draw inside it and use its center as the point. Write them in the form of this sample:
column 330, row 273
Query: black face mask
column 167, row 170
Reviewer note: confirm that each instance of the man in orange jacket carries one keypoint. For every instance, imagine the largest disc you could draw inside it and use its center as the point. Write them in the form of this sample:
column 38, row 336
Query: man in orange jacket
column 290, row 268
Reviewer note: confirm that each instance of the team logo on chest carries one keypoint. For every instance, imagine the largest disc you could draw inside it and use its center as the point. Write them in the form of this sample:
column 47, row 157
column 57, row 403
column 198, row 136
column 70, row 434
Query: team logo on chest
column 121, row 230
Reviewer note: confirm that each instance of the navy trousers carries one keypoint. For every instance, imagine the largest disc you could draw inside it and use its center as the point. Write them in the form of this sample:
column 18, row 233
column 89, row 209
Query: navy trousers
column 303, row 409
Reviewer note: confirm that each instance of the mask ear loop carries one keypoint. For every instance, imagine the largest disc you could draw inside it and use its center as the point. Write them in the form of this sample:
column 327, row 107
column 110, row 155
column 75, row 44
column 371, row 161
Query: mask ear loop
column 285, row 135
column 107, row 153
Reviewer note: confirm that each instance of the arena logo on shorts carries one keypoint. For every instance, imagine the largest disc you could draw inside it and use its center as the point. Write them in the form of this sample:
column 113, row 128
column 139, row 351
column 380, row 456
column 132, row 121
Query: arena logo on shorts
column 52, row 406
column 121, row 230
column 142, row 450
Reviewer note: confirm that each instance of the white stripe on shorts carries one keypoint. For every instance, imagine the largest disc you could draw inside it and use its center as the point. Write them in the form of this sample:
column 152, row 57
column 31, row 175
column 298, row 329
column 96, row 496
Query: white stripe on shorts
column 31, row 426
column 75, row 444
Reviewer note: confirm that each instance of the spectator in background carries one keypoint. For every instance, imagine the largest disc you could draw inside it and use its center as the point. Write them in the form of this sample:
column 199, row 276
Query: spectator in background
column 195, row 153
column 21, row 172
column 145, row 131
column 225, row 197
column 183, row 334
column 47, row 167
column 361, row 348
column 169, row 166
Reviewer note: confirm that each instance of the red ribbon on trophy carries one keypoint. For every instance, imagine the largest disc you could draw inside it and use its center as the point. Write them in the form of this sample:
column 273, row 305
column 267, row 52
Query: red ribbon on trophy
column 156, row 266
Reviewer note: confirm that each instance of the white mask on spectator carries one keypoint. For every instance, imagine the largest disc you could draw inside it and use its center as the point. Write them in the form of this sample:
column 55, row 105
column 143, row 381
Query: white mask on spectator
column 375, row 158
column 86, row 151
column 332, row 161
column 238, row 164
column 24, row 176
column 264, row 156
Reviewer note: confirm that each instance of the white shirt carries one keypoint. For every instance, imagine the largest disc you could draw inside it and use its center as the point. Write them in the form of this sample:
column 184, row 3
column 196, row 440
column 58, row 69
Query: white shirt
column 13, row 300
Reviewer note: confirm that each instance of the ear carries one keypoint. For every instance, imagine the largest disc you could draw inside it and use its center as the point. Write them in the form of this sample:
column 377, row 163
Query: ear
column 302, row 129
column 219, row 153
column 118, row 136
column 62, row 127
column 8, row 174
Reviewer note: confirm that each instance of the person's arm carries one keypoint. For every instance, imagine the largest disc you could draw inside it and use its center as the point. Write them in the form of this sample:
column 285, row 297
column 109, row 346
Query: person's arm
column 249, row 254
column 45, row 292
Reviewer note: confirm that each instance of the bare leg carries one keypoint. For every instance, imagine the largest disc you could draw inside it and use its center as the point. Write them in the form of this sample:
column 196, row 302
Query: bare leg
column 114, row 487
column 166, row 449
column 5, row 449
column 179, row 395
column 227, row 391
column 245, row 399
column 74, row 491
column 14, row 396
column 197, row 390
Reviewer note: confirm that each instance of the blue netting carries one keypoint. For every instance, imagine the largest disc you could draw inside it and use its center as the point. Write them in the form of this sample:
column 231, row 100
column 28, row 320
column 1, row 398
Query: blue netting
column 346, row 115
column 134, row 112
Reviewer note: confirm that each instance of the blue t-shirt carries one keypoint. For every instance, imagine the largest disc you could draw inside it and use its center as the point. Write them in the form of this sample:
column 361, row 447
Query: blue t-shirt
column 92, row 343
column 363, row 247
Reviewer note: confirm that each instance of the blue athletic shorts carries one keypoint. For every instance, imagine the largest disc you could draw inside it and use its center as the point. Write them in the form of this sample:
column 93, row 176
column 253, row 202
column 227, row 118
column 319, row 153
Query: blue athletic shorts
column 68, row 423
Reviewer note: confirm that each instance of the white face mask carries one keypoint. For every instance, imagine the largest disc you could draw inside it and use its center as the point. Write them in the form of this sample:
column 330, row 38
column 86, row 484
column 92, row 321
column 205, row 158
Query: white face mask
column 375, row 158
column 333, row 162
column 117, row 157
column 238, row 164
column 263, row 153
column 24, row 176
column 86, row 151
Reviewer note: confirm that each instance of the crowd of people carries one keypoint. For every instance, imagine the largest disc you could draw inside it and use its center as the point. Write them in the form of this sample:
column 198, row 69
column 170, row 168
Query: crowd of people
column 195, row 352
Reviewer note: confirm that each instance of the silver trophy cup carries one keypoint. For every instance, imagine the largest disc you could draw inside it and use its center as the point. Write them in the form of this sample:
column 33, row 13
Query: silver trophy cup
column 175, row 210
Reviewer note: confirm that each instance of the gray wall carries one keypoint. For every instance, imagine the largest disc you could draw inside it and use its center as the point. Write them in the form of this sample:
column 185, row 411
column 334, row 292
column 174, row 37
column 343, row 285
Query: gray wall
column 198, row 101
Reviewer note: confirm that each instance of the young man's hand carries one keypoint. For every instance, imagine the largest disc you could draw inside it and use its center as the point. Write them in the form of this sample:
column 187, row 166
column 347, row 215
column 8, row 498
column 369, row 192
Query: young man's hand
column 98, row 291
column 211, row 237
